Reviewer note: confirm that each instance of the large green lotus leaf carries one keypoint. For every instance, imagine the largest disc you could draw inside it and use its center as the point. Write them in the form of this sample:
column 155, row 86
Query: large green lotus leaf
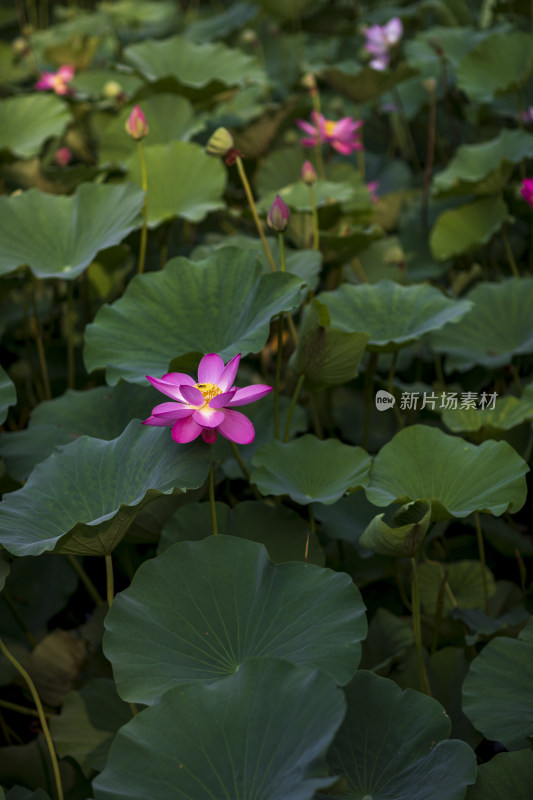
column 389, row 638
column 27, row 121
column 348, row 241
column 366, row 83
column 83, row 499
column 484, row 168
column 347, row 519
column 326, row 193
column 92, row 83
column 221, row 305
column 235, row 738
column 482, row 626
column 287, row 9
column 423, row 463
column 326, row 355
column 498, row 691
column 169, row 117
column 394, row 315
column 194, row 66
column 505, row 775
column 310, row 470
column 218, row 26
column 58, row 236
column 183, row 181
column 88, row 722
column 403, row 536
column 102, row 412
column 465, row 579
column 200, row 609
column 500, row 63
column 393, row 745
column 283, row 532
column 508, row 412
column 8, row 394
column 467, row 227
column 498, row 327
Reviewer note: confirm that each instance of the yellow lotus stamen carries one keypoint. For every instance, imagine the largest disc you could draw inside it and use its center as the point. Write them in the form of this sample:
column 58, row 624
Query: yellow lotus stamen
column 208, row 390
column 329, row 127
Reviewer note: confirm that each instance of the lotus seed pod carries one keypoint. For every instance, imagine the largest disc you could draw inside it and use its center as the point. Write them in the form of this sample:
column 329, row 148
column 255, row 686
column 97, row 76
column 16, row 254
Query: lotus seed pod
column 220, row 142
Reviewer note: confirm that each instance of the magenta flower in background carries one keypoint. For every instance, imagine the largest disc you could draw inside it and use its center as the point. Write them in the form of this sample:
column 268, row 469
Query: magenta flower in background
column 63, row 157
column 342, row 135
column 373, row 189
column 279, row 215
column 527, row 190
column 206, row 407
column 56, row 80
column 380, row 39
column 136, row 124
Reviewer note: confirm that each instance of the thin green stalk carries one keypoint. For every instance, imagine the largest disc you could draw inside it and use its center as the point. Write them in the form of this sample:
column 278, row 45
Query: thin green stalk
column 320, row 161
column 430, row 155
column 42, row 717
column 369, row 385
column 36, row 330
column 311, row 530
column 314, row 213
column 245, row 471
column 212, row 492
column 87, row 582
column 359, row 271
column 253, row 209
column 292, row 406
column 509, row 253
column 110, row 581
column 417, row 629
column 18, row 616
column 281, row 252
column 481, row 550
column 70, row 337
column 144, row 231
column 29, row 712
column 277, row 376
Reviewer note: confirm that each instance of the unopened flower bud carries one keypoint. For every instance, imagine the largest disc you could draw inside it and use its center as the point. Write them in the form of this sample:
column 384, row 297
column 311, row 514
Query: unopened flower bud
column 430, row 84
column 20, row 46
column 220, row 142
column 279, row 215
column 112, row 90
column 309, row 81
column 63, row 156
column 248, row 36
column 308, row 173
column 136, row 124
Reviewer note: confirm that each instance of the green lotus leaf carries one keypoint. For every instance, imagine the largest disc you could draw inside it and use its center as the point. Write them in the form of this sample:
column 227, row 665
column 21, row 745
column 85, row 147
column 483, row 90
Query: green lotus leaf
column 91, row 83
column 27, row 121
column 467, row 227
column 394, row 315
column 58, row 236
column 183, row 181
column 83, row 499
column 349, row 241
column 498, row 327
column 389, row 637
column 393, row 745
column 508, row 412
column 458, row 478
column 4, row 571
column 404, row 536
column 102, row 412
column 286, row 9
column 485, row 167
column 218, row 26
column 221, row 305
column 8, row 394
column 297, row 197
column 200, row 610
column 347, row 519
column 23, row 793
column 88, row 722
column 465, row 580
column 483, row 626
column 447, row 669
column 169, row 118
column 500, row 63
column 498, row 691
column 310, row 470
column 505, row 775
column 229, row 742
column 283, row 532
column 325, row 355
column 361, row 84
column 194, row 66
column 140, row 17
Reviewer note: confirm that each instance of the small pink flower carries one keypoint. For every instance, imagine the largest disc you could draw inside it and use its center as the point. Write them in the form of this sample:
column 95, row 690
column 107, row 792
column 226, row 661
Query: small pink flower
column 380, row 40
column 206, row 407
column 56, row 80
column 63, row 157
column 373, row 189
column 527, row 190
column 308, row 173
column 342, row 135
column 279, row 215
column 136, row 124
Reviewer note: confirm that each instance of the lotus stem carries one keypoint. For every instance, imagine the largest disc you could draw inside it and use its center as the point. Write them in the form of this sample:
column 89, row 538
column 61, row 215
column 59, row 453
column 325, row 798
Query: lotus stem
column 417, row 628
column 70, row 337
column 144, row 231
column 430, row 155
column 29, row 712
column 253, row 209
column 310, row 530
column 369, row 383
column 292, row 406
column 314, row 213
column 110, row 581
column 36, row 331
column 277, row 377
column 359, row 271
column 42, row 717
column 212, row 492
column 509, row 253
column 87, row 582
column 481, row 550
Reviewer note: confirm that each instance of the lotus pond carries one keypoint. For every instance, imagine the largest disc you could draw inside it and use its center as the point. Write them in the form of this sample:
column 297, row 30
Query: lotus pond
column 266, row 400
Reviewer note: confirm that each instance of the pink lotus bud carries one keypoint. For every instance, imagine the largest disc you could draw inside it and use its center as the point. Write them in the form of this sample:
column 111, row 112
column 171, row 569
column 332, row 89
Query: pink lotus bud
column 308, row 173
column 63, row 157
column 279, row 215
column 136, row 124
column 527, row 190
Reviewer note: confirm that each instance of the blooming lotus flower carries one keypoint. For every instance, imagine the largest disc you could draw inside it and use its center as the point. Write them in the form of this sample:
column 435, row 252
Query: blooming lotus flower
column 527, row 190
column 380, row 40
column 205, row 407
column 136, row 124
column 279, row 215
column 56, row 80
column 341, row 135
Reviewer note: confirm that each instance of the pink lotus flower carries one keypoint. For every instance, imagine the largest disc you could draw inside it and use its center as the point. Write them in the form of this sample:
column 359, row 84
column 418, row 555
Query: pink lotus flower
column 527, row 190
column 380, row 40
column 136, row 124
column 206, row 407
column 279, row 215
column 56, row 80
column 341, row 135
column 63, row 157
